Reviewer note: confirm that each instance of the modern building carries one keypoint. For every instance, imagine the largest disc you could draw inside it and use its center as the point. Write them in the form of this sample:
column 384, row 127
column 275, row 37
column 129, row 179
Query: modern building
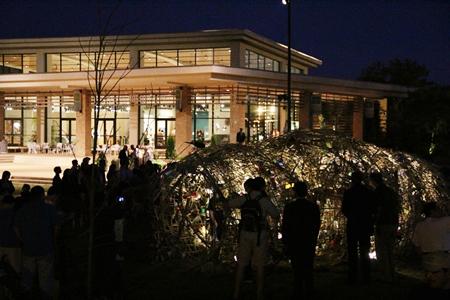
column 199, row 85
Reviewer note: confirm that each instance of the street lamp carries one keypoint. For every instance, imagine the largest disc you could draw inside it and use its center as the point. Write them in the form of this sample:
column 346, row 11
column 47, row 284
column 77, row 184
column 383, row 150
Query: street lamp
column 289, row 101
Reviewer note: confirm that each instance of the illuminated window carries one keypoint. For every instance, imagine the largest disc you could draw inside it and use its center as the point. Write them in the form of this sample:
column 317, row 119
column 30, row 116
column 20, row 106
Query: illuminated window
column 222, row 56
column 204, row 57
column 76, row 61
column 17, row 63
column 186, row 57
column 167, row 58
column 253, row 60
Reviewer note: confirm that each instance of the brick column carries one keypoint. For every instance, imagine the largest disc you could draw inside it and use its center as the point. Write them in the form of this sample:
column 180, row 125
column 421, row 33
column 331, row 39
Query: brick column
column 134, row 59
column 305, row 110
column 84, row 128
column 358, row 118
column 237, row 117
column 183, row 123
column 2, row 115
column 283, row 118
column 40, row 119
column 134, row 121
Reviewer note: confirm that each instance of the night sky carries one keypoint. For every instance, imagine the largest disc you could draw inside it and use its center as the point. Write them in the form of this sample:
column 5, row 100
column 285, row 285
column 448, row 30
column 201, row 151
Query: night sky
column 346, row 34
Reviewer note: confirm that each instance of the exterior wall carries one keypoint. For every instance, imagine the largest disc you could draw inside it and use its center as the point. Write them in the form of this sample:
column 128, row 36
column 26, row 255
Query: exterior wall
column 83, row 126
column 358, row 119
column 134, row 121
column 2, row 115
column 237, row 117
column 183, row 123
column 305, row 111
column 40, row 120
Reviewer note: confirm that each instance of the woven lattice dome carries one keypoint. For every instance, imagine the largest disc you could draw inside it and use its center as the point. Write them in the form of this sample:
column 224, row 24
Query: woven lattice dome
column 323, row 160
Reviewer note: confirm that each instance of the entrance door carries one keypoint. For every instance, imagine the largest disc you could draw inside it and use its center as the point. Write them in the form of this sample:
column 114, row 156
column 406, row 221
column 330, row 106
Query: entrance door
column 13, row 131
column 164, row 129
column 106, row 132
column 68, row 130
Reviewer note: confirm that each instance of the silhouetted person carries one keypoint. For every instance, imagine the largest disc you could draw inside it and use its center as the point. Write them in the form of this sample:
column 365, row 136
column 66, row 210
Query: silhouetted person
column 387, row 210
column 123, row 156
column 300, row 228
column 57, row 181
column 240, row 137
column 35, row 225
column 6, row 186
column 358, row 209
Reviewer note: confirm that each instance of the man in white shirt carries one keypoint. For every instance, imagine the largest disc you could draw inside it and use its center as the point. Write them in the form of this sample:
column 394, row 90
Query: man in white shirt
column 253, row 238
column 432, row 238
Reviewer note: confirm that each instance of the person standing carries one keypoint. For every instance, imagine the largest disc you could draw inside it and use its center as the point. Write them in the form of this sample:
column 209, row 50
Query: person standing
column 357, row 207
column 387, row 210
column 240, row 136
column 432, row 239
column 300, row 229
column 123, row 156
column 36, row 226
column 6, row 186
column 255, row 207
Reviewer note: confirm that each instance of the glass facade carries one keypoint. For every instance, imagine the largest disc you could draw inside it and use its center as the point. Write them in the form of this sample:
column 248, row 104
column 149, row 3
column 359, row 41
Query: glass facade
column 253, row 60
column 60, row 121
column 78, row 61
column 17, row 63
column 211, row 118
column 262, row 121
column 156, row 124
column 185, row 57
column 20, row 120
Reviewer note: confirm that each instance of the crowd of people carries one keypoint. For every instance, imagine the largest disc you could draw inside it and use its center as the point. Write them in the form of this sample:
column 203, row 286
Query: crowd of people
column 35, row 226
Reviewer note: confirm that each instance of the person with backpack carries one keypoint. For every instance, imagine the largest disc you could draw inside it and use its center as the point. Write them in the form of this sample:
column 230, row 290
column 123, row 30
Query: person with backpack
column 255, row 206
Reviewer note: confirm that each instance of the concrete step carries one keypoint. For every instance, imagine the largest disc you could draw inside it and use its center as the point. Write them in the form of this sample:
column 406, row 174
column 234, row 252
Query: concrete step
column 31, row 180
column 5, row 158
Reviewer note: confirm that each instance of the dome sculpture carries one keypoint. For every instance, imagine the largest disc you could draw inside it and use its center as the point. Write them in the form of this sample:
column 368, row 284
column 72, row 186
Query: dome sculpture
column 200, row 183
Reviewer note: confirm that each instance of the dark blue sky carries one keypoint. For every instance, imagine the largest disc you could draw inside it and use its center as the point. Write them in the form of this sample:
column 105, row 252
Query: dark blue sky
column 346, row 34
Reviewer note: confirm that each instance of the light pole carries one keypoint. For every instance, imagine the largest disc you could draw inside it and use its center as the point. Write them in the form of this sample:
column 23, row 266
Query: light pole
column 288, row 96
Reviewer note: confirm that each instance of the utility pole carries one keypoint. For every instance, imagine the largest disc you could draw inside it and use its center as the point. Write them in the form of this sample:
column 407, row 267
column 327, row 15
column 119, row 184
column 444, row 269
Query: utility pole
column 288, row 96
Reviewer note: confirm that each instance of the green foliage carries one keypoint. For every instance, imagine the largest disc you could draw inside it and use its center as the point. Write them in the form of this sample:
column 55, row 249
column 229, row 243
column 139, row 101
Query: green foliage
column 423, row 123
column 170, row 148
column 396, row 71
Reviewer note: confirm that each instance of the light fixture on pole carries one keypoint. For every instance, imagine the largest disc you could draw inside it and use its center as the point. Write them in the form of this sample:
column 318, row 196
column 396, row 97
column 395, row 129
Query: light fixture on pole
column 288, row 96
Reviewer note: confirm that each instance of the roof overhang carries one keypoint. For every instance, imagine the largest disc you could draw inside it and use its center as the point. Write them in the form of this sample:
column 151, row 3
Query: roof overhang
column 198, row 77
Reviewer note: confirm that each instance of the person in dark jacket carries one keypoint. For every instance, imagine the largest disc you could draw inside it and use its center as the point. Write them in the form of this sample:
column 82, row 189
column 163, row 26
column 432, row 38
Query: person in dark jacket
column 387, row 210
column 300, row 229
column 357, row 207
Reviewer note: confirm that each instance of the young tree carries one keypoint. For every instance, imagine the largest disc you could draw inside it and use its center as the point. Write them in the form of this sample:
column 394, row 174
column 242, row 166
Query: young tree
column 105, row 54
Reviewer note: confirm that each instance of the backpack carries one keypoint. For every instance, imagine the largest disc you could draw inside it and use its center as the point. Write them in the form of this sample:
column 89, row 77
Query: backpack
column 251, row 215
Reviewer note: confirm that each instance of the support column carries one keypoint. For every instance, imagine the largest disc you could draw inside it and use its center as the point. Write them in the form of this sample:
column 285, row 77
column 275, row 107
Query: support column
column 40, row 62
column 183, row 123
column 237, row 117
column 2, row 116
column 283, row 119
column 84, row 128
column 40, row 120
column 134, row 59
column 134, row 121
column 305, row 110
column 358, row 118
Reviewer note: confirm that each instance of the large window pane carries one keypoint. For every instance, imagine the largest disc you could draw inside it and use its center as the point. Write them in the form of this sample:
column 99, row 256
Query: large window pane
column 53, row 62
column 87, row 61
column 70, row 62
column 222, row 56
column 253, row 60
column 186, row 57
column 148, row 59
column 204, row 57
column 167, row 58
column 122, row 60
column 12, row 63
column 107, row 60
column 29, row 63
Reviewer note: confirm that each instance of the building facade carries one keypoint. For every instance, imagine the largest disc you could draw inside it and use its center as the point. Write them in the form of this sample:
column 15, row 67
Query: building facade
column 189, row 86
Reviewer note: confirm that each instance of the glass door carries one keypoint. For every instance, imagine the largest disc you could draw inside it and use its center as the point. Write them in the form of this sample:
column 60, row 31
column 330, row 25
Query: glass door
column 164, row 129
column 13, row 131
column 68, row 131
column 106, row 132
